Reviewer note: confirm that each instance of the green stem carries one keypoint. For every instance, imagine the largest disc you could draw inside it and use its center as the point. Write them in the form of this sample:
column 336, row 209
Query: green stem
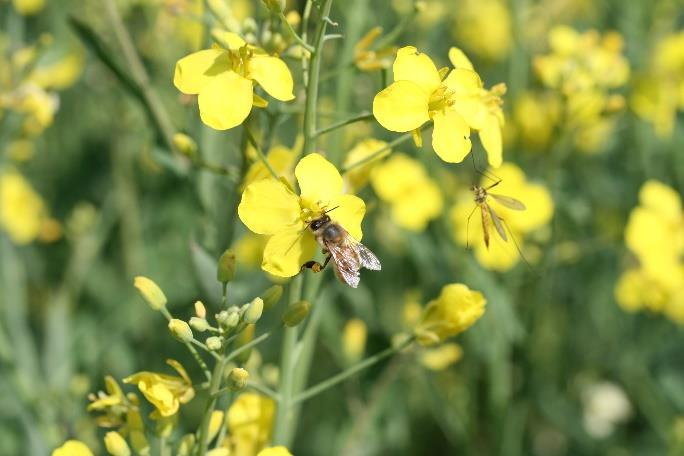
column 199, row 360
column 204, row 347
column 214, row 387
column 294, row 35
column 358, row 118
column 247, row 346
column 312, row 85
column 378, row 153
column 342, row 376
column 260, row 153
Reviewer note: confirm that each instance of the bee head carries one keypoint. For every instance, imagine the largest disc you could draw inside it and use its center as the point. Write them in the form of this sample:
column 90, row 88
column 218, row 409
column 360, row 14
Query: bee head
column 319, row 222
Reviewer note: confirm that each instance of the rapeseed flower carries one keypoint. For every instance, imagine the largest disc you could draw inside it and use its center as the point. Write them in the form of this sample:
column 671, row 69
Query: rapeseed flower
column 23, row 213
column 250, row 420
column 165, row 392
column 441, row 357
column 275, row 451
column 270, row 207
column 484, row 27
column 501, row 256
column 354, row 335
column 366, row 59
column 72, row 448
column 456, row 309
column 224, row 80
column 414, row 198
column 357, row 178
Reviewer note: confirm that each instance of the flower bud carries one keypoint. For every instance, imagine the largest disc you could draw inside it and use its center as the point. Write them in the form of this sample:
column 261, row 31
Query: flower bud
column 253, row 311
column 185, row 144
column 150, row 292
column 116, row 445
column 214, row 343
column 295, row 313
column 228, row 319
column 226, row 267
column 180, row 330
column 199, row 324
column 237, row 379
column 200, row 310
column 272, row 296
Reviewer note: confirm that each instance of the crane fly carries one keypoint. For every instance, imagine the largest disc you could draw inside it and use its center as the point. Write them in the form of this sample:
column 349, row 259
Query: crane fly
column 487, row 212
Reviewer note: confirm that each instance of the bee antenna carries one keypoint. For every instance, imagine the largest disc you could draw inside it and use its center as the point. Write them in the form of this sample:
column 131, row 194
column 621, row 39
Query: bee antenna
column 330, row 210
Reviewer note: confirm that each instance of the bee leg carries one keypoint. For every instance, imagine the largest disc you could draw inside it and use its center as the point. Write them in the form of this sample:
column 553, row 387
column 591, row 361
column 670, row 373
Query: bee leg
column 315, row 266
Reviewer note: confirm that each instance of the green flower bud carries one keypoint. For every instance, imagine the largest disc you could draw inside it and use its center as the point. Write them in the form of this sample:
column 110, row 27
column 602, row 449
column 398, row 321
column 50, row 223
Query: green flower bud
column 180, row 330
column 295, row 313
column 253, row 311
column 199, row 324
column 272, row 296
column 214, row 343
column 237, row 379
column 116, row 445
column 150, row 292
column 226, row 267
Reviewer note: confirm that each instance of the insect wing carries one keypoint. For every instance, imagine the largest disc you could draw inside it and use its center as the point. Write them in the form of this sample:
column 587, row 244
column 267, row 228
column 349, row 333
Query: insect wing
column 497, row 224
column 508, row 202
column 347, row 262
column 368, row 258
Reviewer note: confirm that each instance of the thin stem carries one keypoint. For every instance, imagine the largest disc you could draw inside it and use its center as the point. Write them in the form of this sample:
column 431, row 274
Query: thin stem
column 263, row 389
column 358, row 118
column 140, row 75
column 204, row 347
column 312, row 85
column 305, row 35
column 294, row 35
column 260, row 153
column 199, row 360
column 342, row 376
column 378, row 153
column 247, row 346
column 231, row 172
column 214, row 386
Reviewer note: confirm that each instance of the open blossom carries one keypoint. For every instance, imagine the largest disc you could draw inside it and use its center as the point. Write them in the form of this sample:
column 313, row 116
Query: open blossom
column 270, row 207
column 165, row 392
column 224, row 80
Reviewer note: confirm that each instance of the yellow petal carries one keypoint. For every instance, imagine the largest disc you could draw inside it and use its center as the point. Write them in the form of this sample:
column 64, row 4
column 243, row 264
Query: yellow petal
column 459, row 60
column 268, row 206
column 198, row 69
column 349, row 213
column 273, row 75
column 416, row 67
column 287, row 251
column 463, row 82
column 451, row 137
column 72, row 448
column 490, row 135
column 231, row 40
column 275, row 451
column 226, row 101
column 319, row 181
column 401, row 107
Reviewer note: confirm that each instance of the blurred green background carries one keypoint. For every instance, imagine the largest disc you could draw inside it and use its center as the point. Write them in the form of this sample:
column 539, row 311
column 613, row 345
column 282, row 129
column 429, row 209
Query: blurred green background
column 555, row 366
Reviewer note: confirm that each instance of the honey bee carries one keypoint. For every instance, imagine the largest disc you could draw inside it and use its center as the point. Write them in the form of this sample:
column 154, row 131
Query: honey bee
column 348, row 254
column 481, row 194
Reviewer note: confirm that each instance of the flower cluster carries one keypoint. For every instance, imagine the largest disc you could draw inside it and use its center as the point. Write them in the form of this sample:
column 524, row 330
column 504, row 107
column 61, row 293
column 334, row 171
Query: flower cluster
column 501, row 256
column 584, row 69
column 655, row 235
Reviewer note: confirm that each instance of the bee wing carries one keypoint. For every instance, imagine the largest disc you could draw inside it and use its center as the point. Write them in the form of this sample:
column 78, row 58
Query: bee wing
column 497, row 224
column 368, row 258
column 347, row 262
column 509, row 202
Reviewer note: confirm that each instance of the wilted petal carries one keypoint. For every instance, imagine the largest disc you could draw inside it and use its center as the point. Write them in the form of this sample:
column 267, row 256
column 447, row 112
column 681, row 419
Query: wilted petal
column 401, row 107
column 268, row 206
column 451, row 137
column 226, row 101
column 198, row 69
column 287, row 251
column 273, row 75
column 416, row 67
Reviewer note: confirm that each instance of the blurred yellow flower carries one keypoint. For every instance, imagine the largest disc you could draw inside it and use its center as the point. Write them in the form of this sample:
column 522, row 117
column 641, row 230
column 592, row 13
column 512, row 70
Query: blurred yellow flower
column 28, row 7
column 418, row 95
column 358, row 177
column 249, row 249
column 250, row 420
column 59, row 73
column 72, row 448
column 22, row 211
column 165, row 392
column 501, row 255
column 372, row 60
column 275, row 451
column 224, row 79
column 271, row 208
column 405, row 185
column 535, row 116
column 116, row 445
column 484, row 27
column 456, row 309
column 439, row 358
column 354, row 335
column 282, row 160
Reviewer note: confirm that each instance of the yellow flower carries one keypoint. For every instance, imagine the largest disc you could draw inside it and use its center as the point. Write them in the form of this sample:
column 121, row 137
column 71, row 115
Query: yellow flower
column 369, row 60
column 165, row 392
column 418, row 95
column 224, row 79
column 271, row 208
column 456, row 309
column 215, row 423
column 116, row 445
column 481, row 108
column 535, row 116
column 250, row 420
column 358, row 177
column 404, row 183
column 484, row 26
column 22, row 211
column 113, row 397
column 59, row 73
column 501, row 255
column 73, row 448
column 354, row 337
column 439, row 358
column 275, row 451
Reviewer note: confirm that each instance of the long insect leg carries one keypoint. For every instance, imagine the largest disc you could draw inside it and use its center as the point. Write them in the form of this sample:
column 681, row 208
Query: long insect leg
column 517, row 246
column 485, row 173
column 468, row 228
